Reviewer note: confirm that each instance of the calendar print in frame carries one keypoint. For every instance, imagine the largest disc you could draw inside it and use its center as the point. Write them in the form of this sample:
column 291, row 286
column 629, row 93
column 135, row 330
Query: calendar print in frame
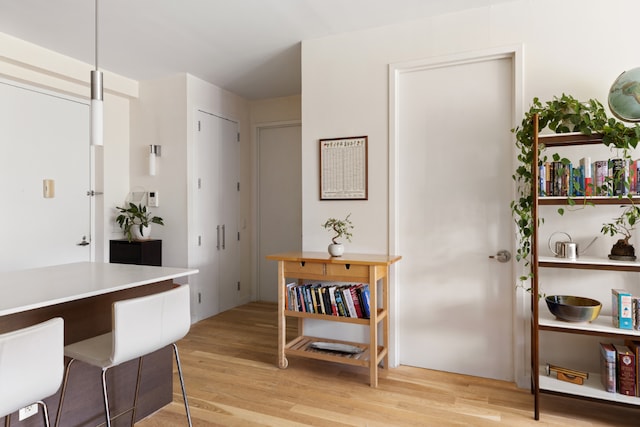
column 343, row 168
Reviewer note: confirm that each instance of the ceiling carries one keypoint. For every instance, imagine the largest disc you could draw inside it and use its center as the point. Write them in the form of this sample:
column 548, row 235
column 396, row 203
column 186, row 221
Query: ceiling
column 249, row 47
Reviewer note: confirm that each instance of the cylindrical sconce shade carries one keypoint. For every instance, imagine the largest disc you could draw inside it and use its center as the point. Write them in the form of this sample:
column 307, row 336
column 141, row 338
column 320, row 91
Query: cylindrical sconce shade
column 152, row 162
column 154, row 151
column 97, row 112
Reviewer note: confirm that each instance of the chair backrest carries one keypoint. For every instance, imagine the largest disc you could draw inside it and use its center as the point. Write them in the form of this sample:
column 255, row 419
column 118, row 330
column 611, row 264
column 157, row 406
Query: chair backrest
column 31, row 364
column 146, row 324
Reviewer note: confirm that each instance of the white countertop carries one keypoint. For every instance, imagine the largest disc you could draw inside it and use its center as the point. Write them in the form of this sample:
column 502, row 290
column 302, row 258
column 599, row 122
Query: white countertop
column 40, row 287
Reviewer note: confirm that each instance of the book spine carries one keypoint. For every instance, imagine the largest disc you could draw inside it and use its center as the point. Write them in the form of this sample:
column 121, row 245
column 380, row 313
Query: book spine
column 347, row 297
column 356, row 301
column 585, row 167
column 332, row 297
column 601, row 168
column 608, row 367
column 366, row 301
column 634, row 346
column 340, row 303
column 542, row 181
column 626, row 371
column 619, row 176
column 621, row 309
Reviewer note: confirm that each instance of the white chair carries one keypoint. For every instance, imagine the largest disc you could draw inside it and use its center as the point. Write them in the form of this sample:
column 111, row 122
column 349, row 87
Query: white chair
column 31, row 366
column 140, row 326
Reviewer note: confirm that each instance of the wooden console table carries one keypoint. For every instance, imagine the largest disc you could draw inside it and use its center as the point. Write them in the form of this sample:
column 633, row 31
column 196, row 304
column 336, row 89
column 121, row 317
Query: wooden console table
column 351, row 268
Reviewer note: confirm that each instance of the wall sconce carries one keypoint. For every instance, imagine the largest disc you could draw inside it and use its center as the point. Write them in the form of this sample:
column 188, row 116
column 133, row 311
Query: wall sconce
column 154, row 151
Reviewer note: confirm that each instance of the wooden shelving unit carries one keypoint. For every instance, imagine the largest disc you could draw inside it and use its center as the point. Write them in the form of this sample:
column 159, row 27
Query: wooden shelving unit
column 545, row 321
column 351, row 268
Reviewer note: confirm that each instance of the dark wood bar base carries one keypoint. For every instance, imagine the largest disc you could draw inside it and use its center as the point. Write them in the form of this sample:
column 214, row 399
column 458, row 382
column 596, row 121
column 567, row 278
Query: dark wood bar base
column 83, row 405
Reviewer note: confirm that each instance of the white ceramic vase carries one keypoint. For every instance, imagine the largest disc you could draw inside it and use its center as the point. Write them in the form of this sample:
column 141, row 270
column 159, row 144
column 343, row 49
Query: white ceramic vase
column 336, row 249
column 137, row 235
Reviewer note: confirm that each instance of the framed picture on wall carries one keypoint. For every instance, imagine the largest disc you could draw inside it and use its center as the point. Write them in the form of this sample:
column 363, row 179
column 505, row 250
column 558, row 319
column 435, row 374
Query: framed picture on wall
column 343, row 168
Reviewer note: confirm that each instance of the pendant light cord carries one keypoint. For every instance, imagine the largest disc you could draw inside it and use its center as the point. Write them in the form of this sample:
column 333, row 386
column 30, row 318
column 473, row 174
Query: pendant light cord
column 96, row 33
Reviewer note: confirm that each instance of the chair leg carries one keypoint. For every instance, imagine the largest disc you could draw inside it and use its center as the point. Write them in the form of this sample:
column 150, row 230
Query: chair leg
column 135, row 397
column 184, row 391
column 62, row 392
column 104, row 394
column 45, row 412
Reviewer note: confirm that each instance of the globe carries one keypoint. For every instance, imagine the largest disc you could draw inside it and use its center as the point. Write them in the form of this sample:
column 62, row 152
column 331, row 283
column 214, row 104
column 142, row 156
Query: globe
column 624, row 96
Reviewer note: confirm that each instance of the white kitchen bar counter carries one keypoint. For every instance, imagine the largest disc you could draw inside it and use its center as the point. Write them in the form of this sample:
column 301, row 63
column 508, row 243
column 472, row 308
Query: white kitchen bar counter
column 24, row 290
column 83, row 295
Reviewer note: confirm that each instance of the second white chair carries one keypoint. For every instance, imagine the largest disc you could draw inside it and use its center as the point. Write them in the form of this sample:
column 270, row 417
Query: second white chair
column 31, row 366
column 140, row 326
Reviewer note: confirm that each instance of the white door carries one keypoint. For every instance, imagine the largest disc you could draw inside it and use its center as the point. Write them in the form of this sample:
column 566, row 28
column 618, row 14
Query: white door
column 43, row 136
column 455, row 155
column 228, row 204
column 280, row 201
column 216, row 215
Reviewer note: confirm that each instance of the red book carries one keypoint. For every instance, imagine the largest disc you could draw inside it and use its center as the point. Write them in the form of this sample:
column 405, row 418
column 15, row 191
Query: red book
column 626, row 370
column 634, row 346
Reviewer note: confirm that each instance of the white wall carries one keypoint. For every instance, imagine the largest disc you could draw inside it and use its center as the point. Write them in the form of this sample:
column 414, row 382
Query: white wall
column 27, row 63
column 577, row 47
column 164, row 114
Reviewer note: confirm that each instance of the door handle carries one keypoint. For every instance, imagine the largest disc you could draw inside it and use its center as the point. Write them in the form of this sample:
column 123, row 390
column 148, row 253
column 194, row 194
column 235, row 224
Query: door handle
column 218, row 237
column 502, row 256
column 224, row 237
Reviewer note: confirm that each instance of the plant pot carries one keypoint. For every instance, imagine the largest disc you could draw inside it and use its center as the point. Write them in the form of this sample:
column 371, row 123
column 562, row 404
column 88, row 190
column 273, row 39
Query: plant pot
column 138, row 236
column 622, row 251
column 336, row 249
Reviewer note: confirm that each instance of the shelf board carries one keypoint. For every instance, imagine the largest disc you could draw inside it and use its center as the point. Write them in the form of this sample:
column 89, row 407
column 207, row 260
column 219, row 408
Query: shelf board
column 579, row 201
column 301, row 346
column 589, row 263
column 568, row 139
column 356, row 320
column 592, row 389
column 601, row 326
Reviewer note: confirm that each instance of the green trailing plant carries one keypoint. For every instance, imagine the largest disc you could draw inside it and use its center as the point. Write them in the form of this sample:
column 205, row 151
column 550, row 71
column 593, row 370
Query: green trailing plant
column 135, row 216
column 340, row 227
column 560, row 115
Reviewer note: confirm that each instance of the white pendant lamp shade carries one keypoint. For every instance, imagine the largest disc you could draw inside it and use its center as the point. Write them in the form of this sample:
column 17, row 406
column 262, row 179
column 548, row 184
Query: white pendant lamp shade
column 97, row 113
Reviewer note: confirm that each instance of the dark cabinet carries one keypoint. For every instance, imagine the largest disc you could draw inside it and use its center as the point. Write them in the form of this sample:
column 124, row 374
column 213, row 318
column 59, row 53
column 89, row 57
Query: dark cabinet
column 148, row 252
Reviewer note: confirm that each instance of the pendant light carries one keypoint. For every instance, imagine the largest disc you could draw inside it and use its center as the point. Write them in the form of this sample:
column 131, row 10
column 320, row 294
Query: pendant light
column 97, row 112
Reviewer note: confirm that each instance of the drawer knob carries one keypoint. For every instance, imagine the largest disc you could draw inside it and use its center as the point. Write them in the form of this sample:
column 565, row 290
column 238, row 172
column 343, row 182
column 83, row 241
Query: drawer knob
column 347, row 266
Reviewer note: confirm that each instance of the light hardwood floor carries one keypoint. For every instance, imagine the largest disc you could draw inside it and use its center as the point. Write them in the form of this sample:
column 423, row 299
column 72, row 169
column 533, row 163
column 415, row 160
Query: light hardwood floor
column 229, row 363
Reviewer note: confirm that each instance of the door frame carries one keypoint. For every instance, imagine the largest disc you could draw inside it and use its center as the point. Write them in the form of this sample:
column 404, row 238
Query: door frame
column 521, row 303
column 257, row 127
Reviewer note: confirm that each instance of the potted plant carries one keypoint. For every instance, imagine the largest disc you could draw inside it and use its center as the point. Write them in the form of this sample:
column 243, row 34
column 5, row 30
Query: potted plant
column 562, row 114
column 136, row 221
column 623, row 225
column 341, row 228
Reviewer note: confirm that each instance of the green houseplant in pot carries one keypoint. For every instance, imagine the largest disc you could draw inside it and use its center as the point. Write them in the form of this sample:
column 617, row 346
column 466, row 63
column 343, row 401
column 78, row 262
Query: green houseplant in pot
column 135, row 221
column 341, row 228
column 560, row 115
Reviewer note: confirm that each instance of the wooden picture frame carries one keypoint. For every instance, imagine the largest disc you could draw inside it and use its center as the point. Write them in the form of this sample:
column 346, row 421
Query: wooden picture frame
column 344, row 168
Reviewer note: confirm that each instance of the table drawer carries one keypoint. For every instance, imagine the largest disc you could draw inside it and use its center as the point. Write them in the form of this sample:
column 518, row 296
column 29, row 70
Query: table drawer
column 348, row 270
column 315, row 268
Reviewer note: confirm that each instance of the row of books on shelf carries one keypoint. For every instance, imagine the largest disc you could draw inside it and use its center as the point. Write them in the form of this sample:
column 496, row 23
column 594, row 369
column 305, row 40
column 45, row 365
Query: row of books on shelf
column 620, row 367
column 613, row 177
column 349, row 300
